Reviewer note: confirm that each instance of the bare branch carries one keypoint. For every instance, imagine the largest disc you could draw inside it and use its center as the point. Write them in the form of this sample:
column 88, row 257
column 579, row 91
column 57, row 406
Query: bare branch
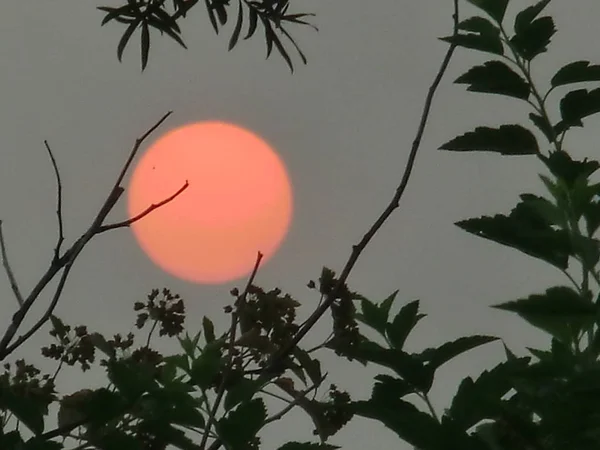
column 143, row 214
column 61, row 236
column 67, row 259
column 8, row 270
column 234, row 322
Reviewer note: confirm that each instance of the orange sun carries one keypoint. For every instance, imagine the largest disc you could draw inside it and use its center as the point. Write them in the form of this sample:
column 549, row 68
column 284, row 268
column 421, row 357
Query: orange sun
column 238, row 202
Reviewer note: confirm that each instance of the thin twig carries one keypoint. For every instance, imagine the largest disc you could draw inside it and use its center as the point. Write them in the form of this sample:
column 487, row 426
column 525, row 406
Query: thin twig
column 61, row 236
column 8, row 270
column 67, row 259
column 234, row 322
column 279, row 356
column 144, row 213
column 297, row 400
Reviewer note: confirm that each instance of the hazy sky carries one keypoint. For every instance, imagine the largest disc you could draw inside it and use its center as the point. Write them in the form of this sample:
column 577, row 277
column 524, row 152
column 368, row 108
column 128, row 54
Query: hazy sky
column 343, row 124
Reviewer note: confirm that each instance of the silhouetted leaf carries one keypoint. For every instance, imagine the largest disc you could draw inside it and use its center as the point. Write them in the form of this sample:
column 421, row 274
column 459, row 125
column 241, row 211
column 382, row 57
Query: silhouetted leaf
column 436, row 357
column 390, row 387
column 579, row 104
column 403, row 324
column 567, row 169
column 495, row 77
column 127, row 11
column 310, row 365
column 241, row 391
column 241, row 425
column 211, row 15
column 534, row 38
column 546, row 210
column 253, row 16
column 484, row 43
column 525, row 230
column 495, row 8
column 129, row 378
column 576, row 72
column 506, row 140
column 29, row 410
column 206, row 366
column 238, row 27
column 525, row 17
column 145, row 47
column 560, row 311
column 372, row 316
column 125, row 39
column 481, row 26
column 209, row 330
column 307, row 446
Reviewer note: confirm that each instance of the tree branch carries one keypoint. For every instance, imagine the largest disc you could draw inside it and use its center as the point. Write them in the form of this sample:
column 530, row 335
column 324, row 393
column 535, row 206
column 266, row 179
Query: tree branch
column 61, row 236
column 8, row 270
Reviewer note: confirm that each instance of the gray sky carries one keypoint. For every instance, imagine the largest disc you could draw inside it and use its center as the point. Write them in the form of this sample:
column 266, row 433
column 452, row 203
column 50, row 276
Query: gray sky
column 343, row 124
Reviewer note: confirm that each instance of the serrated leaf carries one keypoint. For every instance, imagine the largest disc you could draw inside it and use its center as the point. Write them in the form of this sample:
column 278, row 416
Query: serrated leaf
column 495, row 77
column 102, row 344
column 30, row 411
column 242, row 391
column 386, row 305
column 310, row 365
column 560, row 311
column 546, row 210
column 579, row 104
column 484, row 43
column 206, row 366
column 238, row 27
column 534, row 38
column 129, row 379
column 506, row 140
column 372, row 316
column 528, row 15
column 576, row 72
column 390, row 387
column 241, row 425
column 404, row 322
column 562, row 166
column 494, row 8
column 536, row 240
column 436, row 357
column 479, row 25
column 209, row 330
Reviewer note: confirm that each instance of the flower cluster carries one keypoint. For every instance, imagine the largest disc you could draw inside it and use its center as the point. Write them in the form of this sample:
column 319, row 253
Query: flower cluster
column 74, row 345
column 169, row 312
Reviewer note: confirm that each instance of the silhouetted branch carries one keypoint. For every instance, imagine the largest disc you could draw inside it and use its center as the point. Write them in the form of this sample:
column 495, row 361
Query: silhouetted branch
column 61, row 236
column 144, row 213
column 66, row 260
column 8, row 270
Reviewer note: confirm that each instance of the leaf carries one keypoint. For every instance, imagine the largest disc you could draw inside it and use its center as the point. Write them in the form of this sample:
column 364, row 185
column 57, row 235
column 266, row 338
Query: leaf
column 253, row 16
column 390, row 387
column 560, row 311
column 481, row 26
column 528, row 15
column 484, row 43
column 525, row 230
column 481, row 398
column 543, row 126
column 579, row 104
column 495, row 77
column 403, row 324
column 372, row 316
column 100, row 342
column 115, row 13
column 125, row 39
column 495, row 8
column 145, row 47
column 568, row 170
column 310, row 365
column 506, row 140
column 30, row 411
column 209, row 330
column 240, row 426
column 238, row 27
column 436, row 357
column 129, row 378
column 576, row 72
column 242, row 391
column 206, row 366
column 189, row 345
column 307, row 446
column 545, row 209
column 533, row 39
column 211, row 15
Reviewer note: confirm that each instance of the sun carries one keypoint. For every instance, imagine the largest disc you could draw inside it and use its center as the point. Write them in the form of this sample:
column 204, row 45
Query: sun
column 238, row 202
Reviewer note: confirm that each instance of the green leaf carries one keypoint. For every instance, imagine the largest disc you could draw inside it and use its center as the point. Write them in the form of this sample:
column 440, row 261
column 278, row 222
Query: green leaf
column 209, row 330
column 390, row 387
column 525, row 230
column 484, row 43
column 576, row 72
column 495, row 77
column 494, row 8
column 436, row 357
column 545, row 209
column 543, row 126
column 579, row 104
column 206, row 366
column 403, row 324
column 506, row 140
column 481, row 26
column 307, row 446
column 533, row 39
column 238, row 27
column 528, row 15
column 240, row 426
column 373, row 316
column 481, row 398
column 560, row 311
